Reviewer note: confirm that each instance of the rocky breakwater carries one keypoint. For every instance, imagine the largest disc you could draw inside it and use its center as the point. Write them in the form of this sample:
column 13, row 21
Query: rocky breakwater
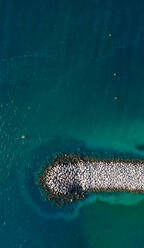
column 70, row 176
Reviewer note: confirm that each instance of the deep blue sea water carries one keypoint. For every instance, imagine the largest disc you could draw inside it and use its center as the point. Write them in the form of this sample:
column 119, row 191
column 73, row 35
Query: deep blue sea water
column 71, row 80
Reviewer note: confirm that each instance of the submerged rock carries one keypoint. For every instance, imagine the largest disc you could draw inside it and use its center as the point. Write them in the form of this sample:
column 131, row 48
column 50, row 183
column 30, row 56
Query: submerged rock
column 70, row 176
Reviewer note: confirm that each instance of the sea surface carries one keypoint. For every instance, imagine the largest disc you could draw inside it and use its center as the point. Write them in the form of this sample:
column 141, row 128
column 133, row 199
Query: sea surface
column 71, row 80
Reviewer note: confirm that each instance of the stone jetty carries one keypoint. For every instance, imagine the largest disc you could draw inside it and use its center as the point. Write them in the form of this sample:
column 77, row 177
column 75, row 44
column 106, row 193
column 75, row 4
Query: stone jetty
column 70, row 176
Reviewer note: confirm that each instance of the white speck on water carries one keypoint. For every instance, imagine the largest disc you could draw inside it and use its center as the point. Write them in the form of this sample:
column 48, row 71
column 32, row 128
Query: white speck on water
column 23, row 137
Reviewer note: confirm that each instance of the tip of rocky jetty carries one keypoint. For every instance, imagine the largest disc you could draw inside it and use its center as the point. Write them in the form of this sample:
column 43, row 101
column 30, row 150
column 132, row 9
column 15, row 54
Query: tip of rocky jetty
column 75, row 193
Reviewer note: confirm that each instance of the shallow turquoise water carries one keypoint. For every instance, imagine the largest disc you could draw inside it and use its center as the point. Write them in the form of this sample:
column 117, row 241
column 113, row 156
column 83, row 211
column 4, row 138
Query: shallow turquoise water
column 57, row 87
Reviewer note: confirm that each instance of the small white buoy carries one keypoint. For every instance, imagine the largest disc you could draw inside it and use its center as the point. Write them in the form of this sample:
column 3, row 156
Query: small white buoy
column 23, row 137
column 116, row 98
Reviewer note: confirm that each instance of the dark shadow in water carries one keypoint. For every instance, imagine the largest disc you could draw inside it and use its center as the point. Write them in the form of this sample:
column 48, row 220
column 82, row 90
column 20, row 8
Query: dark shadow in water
column 140, row 147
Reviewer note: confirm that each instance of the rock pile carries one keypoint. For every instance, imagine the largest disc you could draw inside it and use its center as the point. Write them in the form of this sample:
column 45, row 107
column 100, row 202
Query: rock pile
column 65, row 178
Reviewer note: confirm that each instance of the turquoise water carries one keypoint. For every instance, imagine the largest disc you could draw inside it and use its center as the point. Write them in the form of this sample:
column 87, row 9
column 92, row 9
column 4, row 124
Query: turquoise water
column 59, row 90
